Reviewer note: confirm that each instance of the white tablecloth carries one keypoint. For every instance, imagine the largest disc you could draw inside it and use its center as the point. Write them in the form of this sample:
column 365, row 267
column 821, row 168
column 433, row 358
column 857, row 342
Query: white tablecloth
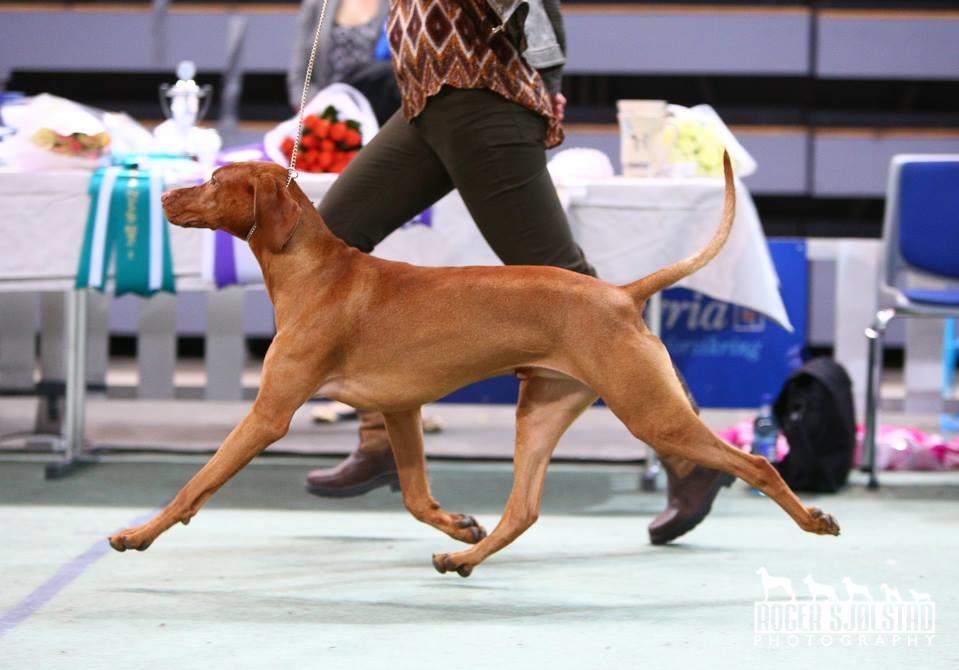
column 627, row 227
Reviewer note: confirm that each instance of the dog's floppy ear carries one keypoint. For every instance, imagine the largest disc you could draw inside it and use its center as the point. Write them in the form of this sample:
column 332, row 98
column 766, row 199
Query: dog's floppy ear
column 275, row 212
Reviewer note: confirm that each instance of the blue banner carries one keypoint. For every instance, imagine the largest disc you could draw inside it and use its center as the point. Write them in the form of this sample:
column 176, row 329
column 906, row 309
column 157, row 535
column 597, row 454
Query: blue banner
column 731, row 355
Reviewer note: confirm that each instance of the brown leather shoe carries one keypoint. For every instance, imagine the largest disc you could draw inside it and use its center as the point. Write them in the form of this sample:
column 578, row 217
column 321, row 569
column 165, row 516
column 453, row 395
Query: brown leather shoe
column 370, row 466
column 689, row 500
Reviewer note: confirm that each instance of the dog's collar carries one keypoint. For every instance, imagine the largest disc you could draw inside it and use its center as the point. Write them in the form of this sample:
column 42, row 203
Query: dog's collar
column 252, row 230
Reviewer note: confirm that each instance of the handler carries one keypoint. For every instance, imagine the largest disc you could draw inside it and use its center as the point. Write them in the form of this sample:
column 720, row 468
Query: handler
column 481, row 103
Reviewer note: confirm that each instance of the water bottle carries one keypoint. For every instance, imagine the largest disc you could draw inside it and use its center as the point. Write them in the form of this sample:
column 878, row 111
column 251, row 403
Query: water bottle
column 765, row 432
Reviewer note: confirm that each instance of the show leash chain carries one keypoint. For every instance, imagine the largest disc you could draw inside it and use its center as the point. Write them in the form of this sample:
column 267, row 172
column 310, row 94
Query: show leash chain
column 293, row 174
column 291, row 171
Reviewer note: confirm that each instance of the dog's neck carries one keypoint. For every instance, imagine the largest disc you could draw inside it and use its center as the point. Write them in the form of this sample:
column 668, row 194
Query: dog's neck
column 313, row 259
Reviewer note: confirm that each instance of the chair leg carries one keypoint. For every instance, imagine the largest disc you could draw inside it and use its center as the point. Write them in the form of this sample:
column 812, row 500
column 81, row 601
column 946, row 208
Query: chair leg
column 873, row 379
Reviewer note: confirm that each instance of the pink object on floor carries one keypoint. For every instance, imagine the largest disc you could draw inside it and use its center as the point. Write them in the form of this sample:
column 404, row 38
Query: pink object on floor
column 741, row 436
column 899, row 447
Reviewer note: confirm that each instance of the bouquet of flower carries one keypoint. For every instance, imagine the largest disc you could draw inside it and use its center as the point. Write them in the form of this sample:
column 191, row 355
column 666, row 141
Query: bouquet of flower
column 328, row 143
column 54, row 133
column 79, row 145
column 696, row 137
column 694, row 143
column 337, row 121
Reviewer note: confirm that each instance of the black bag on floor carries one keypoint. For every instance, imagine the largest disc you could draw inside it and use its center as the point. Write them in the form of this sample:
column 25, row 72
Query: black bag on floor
column 815, row 411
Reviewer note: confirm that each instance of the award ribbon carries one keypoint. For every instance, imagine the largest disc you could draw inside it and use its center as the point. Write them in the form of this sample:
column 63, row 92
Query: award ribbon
column 126, row 217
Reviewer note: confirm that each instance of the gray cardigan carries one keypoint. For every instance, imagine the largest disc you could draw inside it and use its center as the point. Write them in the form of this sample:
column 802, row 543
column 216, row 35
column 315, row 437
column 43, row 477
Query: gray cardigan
column 306, row 22
column 541, row 24
column 538, row 21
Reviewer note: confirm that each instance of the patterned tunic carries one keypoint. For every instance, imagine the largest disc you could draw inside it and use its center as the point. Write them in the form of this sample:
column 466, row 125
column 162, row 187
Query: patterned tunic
column 438, row 43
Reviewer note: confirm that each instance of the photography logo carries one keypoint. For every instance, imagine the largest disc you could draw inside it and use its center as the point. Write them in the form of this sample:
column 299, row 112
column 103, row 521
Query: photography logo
column 826, row 618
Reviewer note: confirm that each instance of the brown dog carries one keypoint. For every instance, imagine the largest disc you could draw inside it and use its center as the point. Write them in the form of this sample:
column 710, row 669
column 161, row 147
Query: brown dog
column 388, row 336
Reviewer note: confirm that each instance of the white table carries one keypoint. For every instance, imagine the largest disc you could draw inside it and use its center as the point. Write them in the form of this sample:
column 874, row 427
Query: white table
column 627, row 227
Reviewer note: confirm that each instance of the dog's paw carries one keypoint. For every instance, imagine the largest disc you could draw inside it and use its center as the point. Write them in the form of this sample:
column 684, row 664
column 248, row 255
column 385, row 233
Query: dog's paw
column 130, row 538
column 822, row 523
column 449, row 563
column 468, row 529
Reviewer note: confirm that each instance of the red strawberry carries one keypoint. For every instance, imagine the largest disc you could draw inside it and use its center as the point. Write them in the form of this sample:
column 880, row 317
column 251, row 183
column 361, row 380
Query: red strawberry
column 337, row 131
column 351, row 138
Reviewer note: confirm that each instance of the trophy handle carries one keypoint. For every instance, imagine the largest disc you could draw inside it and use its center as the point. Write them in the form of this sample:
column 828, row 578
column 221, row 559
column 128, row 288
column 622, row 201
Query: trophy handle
column 207, row 95
column 165, row 101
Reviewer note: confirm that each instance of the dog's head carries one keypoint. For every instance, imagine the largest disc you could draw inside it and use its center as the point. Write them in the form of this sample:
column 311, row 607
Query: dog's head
column 235, row 199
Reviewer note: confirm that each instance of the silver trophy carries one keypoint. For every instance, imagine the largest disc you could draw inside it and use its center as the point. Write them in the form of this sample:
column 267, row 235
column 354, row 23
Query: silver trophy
column 185, row 102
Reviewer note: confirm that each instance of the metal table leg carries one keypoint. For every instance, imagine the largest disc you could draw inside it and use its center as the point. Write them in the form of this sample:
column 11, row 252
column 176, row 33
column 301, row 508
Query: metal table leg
column 76, row 393
column 873, row 385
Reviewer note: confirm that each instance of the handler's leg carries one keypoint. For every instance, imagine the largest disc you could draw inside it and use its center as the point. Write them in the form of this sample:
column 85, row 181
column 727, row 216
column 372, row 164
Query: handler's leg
column 495, row 153
column 391, row 180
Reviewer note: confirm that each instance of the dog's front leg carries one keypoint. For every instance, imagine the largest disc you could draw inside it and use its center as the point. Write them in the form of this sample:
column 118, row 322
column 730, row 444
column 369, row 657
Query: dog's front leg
column 248, row 439
column 283, row 388
column 547, row 407
column 406, row 438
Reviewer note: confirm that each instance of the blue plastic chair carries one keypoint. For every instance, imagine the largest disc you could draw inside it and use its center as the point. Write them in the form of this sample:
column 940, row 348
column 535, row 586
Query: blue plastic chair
column 920, row 238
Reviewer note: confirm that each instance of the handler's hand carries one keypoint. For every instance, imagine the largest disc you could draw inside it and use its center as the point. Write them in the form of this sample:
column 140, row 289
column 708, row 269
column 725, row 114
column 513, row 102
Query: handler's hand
column 559, row 106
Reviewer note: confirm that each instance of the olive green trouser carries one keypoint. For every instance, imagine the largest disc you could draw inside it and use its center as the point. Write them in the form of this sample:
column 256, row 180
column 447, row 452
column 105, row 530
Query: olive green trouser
column 488, row 148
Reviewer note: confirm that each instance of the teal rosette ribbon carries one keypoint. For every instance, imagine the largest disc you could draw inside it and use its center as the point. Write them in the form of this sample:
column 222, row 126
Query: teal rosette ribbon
column 126, row 220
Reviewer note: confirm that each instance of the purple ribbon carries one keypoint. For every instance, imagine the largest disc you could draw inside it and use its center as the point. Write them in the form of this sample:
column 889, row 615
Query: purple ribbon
column 224, row 259
column 246, row 152
column 424, row 218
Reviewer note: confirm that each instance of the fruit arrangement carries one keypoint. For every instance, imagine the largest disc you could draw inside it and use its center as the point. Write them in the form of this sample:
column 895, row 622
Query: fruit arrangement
column 328, row 143
column 78, row 145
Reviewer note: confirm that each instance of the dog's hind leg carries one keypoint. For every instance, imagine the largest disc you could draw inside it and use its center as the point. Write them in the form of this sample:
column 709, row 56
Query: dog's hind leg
column 406, row 438
column 664, row 420
column 283, row 388
column 547, row 407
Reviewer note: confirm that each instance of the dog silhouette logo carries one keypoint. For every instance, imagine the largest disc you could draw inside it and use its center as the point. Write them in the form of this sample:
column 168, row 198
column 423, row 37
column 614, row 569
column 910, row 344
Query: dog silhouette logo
column 817, row 590
column 853, row 589
column 769, row 582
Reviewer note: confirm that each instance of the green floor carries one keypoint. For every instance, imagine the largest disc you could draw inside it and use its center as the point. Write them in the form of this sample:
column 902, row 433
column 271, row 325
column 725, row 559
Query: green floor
column 268, row 577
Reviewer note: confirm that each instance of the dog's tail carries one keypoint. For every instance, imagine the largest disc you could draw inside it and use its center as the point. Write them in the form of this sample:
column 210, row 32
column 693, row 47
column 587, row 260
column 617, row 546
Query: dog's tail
column 641, row 289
